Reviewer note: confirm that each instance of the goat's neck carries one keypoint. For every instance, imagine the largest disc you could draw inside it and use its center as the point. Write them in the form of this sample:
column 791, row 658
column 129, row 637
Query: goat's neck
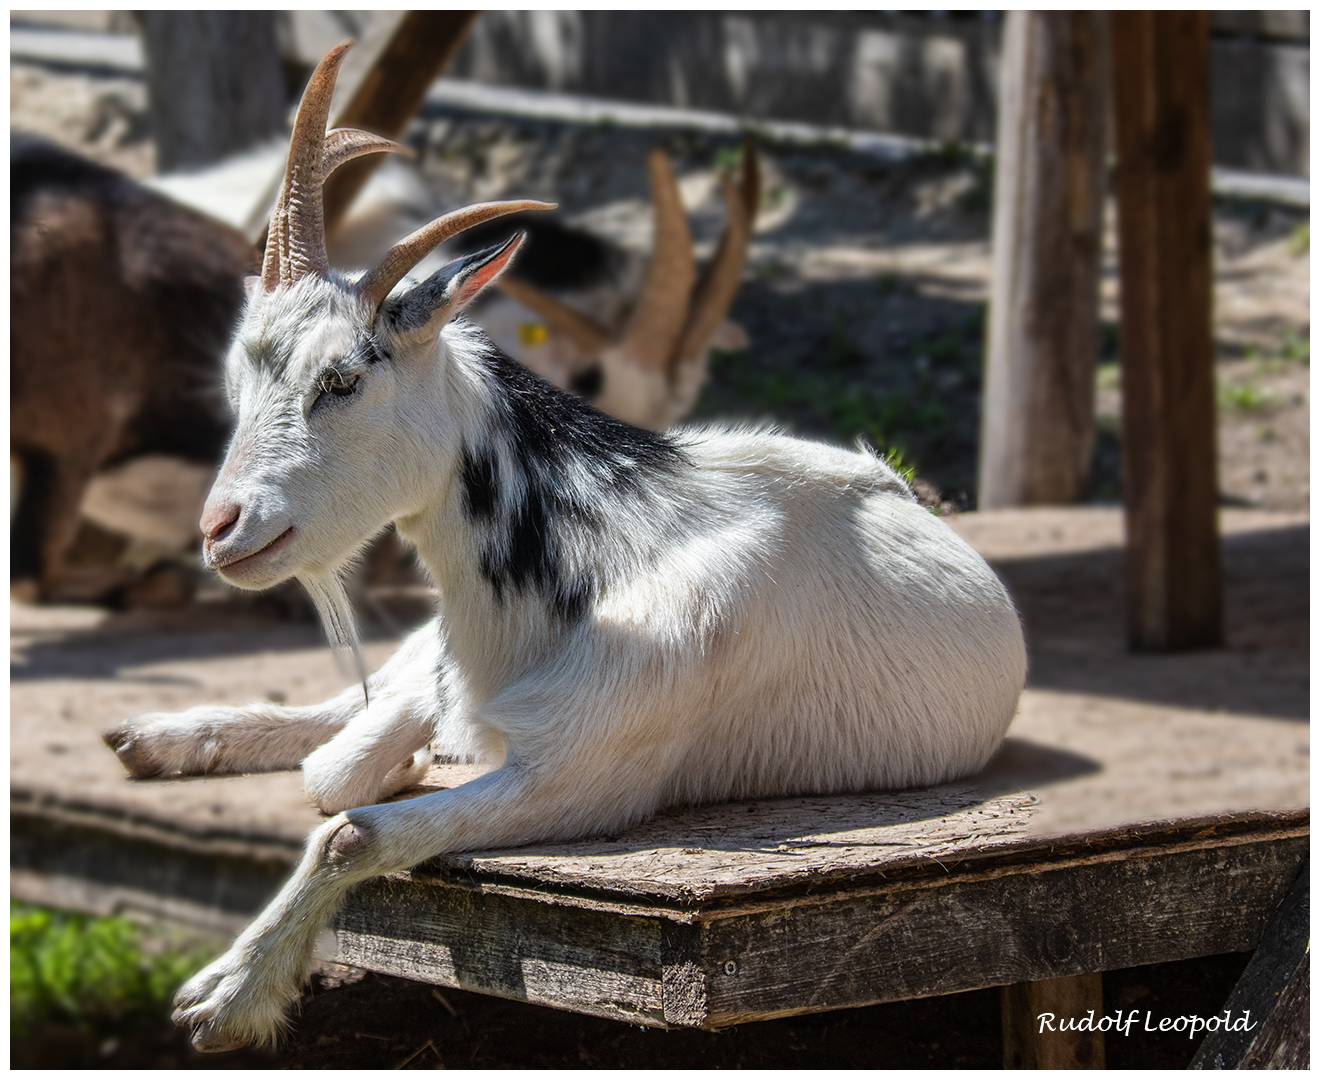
column 520, row 467
column 520, row 525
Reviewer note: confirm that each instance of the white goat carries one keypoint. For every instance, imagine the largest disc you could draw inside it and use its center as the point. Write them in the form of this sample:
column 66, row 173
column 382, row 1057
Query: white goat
column 628, row 620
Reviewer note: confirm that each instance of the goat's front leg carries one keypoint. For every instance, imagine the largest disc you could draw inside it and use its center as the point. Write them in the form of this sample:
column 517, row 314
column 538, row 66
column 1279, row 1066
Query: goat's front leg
column 262, row 737
column 242, row 998
column 384, row 748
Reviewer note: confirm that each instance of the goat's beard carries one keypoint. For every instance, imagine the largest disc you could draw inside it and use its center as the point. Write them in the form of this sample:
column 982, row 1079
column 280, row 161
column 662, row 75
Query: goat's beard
column 327, row 592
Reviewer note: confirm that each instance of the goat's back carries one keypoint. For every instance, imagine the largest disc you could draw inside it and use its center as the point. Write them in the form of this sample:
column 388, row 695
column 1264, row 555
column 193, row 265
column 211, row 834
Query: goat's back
column 855, row 642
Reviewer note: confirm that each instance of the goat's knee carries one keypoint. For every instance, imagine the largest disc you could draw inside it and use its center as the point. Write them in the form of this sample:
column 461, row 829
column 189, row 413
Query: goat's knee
column 349, row 842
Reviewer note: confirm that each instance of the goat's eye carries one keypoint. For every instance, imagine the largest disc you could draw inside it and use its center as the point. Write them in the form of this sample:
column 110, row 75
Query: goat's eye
column 339, row 385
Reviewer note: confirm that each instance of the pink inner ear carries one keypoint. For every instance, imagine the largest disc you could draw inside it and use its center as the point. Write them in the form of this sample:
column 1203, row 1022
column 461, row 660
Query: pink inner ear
column 487, row 273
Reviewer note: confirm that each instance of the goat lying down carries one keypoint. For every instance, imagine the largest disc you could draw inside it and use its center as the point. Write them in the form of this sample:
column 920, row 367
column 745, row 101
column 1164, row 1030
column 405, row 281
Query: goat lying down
column 628, row 620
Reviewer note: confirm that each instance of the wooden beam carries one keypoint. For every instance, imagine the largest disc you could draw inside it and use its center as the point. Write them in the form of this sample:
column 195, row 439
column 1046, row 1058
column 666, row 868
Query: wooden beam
column 1034, row 1014
column 1039, row 412
column 1269, row 1009
column 693, row 965
column 1162, row 130
column 391, row 91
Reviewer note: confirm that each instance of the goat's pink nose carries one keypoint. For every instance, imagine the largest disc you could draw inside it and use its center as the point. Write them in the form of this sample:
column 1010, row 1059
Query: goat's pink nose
column 219, row 519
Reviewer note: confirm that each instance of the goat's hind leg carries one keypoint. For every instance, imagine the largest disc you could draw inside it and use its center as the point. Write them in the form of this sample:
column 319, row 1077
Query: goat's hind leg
column 261, row 737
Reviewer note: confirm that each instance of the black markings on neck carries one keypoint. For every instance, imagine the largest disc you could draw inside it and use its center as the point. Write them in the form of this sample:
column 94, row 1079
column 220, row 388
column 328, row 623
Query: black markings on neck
column 539, row 488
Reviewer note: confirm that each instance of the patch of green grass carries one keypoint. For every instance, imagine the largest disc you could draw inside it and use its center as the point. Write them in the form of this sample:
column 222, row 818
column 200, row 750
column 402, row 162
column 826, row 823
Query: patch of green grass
column 729, row 159
column 1296, row 347
column 1107, row 375
column 894, row 459
column 93, row 973
column 827, row 397
column 1299, row 241
column 1242, row 396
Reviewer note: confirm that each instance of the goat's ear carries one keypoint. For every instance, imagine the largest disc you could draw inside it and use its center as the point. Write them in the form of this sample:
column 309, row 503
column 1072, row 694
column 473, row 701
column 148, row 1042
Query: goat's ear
column 251, row 285
column 424, row 309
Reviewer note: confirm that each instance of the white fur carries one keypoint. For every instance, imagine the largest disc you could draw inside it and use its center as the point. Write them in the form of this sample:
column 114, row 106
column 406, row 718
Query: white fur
column 760, row 616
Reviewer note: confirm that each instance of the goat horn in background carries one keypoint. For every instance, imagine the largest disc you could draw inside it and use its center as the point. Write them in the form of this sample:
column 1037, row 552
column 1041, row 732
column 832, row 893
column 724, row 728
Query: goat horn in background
column 724, row 274
column 585, row 333
column 653, row 328
column 345, row 144
column 295, row 245
column 408, row 252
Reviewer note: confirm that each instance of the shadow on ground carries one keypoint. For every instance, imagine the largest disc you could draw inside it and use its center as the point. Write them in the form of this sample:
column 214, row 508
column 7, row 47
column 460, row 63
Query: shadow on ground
column 1073, row 612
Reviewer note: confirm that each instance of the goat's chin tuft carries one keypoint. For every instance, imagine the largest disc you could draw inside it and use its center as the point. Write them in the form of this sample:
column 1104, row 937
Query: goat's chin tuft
column 327, row 592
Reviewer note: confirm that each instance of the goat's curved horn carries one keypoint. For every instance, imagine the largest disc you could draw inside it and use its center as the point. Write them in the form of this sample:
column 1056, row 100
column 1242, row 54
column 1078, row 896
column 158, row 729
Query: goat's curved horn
column 345, row 144
column 295, row 245
column 408, row 252
column 720, row 281
column 585, row 333
column 653, row 328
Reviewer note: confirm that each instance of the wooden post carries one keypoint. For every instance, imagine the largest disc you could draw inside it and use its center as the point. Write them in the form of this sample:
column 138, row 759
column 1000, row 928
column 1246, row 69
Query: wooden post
column 1033, row 1013
column 1162, row 134
column 1269, row 1009
column 214, row 83
column 391, row 92
column 1039, row 413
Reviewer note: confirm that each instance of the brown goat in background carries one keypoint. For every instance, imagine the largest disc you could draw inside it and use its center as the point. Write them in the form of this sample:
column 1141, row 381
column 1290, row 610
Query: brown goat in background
column 121, row 307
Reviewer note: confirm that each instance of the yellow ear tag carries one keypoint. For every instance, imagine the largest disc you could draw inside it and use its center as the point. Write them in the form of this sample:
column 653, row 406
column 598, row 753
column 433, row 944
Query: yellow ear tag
column 530, row 333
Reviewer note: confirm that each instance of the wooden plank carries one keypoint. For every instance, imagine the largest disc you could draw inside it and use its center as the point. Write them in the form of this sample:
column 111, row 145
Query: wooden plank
column 1034, row 1015
column 1285, row 1039
column 82, row 865
column 391, row 91
column 599, row 962
column 1272, row 999
column 718, row 964
column 990, row 929
column 1161, row 100
column 1039, row 414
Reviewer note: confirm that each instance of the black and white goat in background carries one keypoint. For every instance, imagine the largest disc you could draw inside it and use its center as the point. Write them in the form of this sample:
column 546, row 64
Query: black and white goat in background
column 627, row 620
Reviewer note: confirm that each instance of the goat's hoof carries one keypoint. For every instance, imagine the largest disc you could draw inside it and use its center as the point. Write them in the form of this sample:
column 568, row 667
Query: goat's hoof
column 140, row 765
column 209, row 1039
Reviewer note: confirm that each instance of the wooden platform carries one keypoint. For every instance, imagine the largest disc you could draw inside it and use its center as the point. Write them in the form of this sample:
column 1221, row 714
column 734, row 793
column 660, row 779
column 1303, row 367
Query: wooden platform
column 1143, row 809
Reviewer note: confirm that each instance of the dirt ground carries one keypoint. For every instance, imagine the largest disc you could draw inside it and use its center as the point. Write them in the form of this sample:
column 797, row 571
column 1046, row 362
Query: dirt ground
column 865, row 303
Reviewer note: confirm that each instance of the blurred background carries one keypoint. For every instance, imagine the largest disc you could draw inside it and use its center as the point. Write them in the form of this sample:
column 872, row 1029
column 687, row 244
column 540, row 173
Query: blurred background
column 863, row 297
column 860, row 312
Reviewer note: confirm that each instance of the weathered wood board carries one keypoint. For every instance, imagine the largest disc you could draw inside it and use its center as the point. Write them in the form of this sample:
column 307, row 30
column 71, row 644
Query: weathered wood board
column 1275, row 990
